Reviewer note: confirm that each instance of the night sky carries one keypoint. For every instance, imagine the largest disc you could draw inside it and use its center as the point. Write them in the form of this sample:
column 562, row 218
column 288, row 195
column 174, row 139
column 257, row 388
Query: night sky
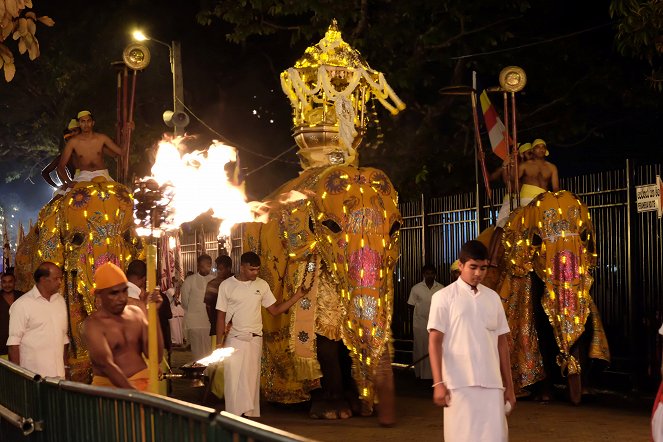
column 235, row 89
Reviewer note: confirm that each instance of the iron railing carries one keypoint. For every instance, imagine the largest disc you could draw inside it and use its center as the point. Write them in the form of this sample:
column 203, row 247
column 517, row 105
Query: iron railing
column 53, row 410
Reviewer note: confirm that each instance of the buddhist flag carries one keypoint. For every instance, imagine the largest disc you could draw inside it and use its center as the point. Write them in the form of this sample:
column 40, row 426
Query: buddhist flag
column 494, row 125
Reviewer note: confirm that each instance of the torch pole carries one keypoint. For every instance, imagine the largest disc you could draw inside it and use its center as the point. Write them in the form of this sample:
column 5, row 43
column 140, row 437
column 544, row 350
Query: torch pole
column 152, row 330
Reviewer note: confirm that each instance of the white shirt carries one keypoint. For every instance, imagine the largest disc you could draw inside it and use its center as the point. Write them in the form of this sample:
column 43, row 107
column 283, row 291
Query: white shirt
column 471, row 324
column 39, row 327
column 241, row 300
column 420, row 298
column 133, row 290
column 193, row 301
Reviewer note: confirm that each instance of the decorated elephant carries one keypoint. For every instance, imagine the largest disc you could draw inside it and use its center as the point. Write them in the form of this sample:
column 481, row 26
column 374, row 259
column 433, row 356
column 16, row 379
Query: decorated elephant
column 88, row 226
column 334, row 233
column 545, row 271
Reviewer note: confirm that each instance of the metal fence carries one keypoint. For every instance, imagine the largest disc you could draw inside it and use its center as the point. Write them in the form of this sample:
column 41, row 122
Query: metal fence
column 51, row 410
column 627, row 288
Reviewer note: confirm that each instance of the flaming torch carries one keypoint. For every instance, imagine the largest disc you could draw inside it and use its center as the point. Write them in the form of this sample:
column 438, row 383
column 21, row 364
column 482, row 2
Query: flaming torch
column 149, row 209
column 180, row 188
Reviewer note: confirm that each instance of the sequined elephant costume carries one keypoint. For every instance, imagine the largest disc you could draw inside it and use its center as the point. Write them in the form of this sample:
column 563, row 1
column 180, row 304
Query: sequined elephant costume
column 553, row 236
column 335, row 237
column 88, row 226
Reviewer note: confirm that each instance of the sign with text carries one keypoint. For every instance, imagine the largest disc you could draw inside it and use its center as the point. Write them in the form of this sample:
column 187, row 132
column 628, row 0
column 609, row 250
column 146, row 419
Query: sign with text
column 650, row 197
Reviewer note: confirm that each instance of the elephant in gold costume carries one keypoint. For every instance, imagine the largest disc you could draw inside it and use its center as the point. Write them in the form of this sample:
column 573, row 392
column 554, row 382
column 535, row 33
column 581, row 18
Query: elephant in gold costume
column 549, row 251
column 90, row 225
column 334, row 233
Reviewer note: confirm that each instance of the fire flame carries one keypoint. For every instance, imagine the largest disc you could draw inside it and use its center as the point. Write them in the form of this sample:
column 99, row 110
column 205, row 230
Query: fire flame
column 217, row 355
column 197, row 182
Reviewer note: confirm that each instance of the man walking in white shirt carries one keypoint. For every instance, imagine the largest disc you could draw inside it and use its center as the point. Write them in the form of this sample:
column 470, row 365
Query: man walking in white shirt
column 469, row 354
column 195, row 314
column 38, row 325
column 240, row 300
column 420, row 298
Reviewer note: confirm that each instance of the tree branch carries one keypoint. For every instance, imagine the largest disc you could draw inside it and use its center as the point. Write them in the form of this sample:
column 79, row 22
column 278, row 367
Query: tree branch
column 464, row 33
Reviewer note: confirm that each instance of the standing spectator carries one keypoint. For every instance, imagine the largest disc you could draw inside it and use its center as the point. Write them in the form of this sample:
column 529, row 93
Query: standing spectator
column 38, row 325
column 240, row 300
column 176, row 323
column 420, row 298
column 469, row 354
column 137, row 295
column 224, row 266
column 9, row 295
column 195, row 314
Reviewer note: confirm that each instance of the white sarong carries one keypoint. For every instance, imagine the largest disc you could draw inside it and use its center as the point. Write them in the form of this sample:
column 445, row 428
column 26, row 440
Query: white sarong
column 476, row 414
column 657, row 424
column 88, row 175
column 242, row 375
column 177, row 324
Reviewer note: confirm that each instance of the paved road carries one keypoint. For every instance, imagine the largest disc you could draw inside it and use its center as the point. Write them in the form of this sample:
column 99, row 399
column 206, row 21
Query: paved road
column 604, row 418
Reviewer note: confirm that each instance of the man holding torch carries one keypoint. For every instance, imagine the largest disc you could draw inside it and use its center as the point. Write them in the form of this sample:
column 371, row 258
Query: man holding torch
column 116, row 334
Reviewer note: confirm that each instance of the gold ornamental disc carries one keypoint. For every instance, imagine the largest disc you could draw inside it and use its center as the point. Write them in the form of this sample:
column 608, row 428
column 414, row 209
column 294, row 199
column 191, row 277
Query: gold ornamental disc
column 513, row 79
column 136, row 56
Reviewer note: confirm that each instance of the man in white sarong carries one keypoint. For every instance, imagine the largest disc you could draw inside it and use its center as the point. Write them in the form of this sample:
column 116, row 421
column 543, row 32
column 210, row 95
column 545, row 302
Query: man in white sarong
column 239, row 300
column 195, row 314
column 420, row 297
column 177, row 321
column 469, row 354
column 86, row 151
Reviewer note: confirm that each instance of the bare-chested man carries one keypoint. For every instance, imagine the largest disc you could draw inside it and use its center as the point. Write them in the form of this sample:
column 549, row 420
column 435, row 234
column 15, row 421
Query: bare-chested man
column 538, row 172
column 86, row 150
column 116, row 334
column 524, row 154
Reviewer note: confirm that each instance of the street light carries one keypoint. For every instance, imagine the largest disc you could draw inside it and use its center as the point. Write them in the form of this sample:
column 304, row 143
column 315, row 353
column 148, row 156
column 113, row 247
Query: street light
column 176, row 118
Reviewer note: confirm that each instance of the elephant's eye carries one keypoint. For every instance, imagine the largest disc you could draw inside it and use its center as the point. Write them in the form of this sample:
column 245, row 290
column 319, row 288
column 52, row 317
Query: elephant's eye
column 395, row 227
column 77, row 239
column 536, row 240
column 331, row 225
column 583, row 235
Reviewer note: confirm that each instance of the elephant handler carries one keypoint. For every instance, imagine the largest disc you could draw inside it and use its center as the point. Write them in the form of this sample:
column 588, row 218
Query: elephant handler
column 537, row 175
column 116, row 334
column 469, row 354
column 239, row 301
column 87, row 152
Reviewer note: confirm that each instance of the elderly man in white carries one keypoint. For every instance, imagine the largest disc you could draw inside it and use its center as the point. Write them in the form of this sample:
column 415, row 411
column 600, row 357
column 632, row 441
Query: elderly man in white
column 38, row 325
column 195, row 313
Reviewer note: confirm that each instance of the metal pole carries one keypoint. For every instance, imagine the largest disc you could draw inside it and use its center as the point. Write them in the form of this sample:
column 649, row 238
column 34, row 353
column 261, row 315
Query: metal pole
column 516, row 178
column 630, row 235
column 178, row 81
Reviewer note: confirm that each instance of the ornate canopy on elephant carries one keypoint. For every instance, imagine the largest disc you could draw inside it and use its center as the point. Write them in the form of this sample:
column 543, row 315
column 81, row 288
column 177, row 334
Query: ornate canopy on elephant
column 554, row 237
column 88, row 226
column 333, row 232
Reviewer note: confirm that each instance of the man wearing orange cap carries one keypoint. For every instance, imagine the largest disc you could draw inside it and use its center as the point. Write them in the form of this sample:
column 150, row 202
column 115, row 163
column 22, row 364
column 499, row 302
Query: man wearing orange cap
column 86, row 150
column 116, row 334
column 537, row 175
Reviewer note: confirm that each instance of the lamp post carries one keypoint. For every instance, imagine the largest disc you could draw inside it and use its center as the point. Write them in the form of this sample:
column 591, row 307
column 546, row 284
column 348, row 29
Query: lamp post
column 178, row 118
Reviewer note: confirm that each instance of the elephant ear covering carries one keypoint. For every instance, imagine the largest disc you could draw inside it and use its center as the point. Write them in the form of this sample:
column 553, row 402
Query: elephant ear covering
column 333, row 233
column 557, row 237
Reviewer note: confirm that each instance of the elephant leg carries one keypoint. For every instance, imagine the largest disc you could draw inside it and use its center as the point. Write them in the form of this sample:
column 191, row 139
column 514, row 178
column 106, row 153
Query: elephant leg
column 384, row 387
column 547, row 343
column 329, row 401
